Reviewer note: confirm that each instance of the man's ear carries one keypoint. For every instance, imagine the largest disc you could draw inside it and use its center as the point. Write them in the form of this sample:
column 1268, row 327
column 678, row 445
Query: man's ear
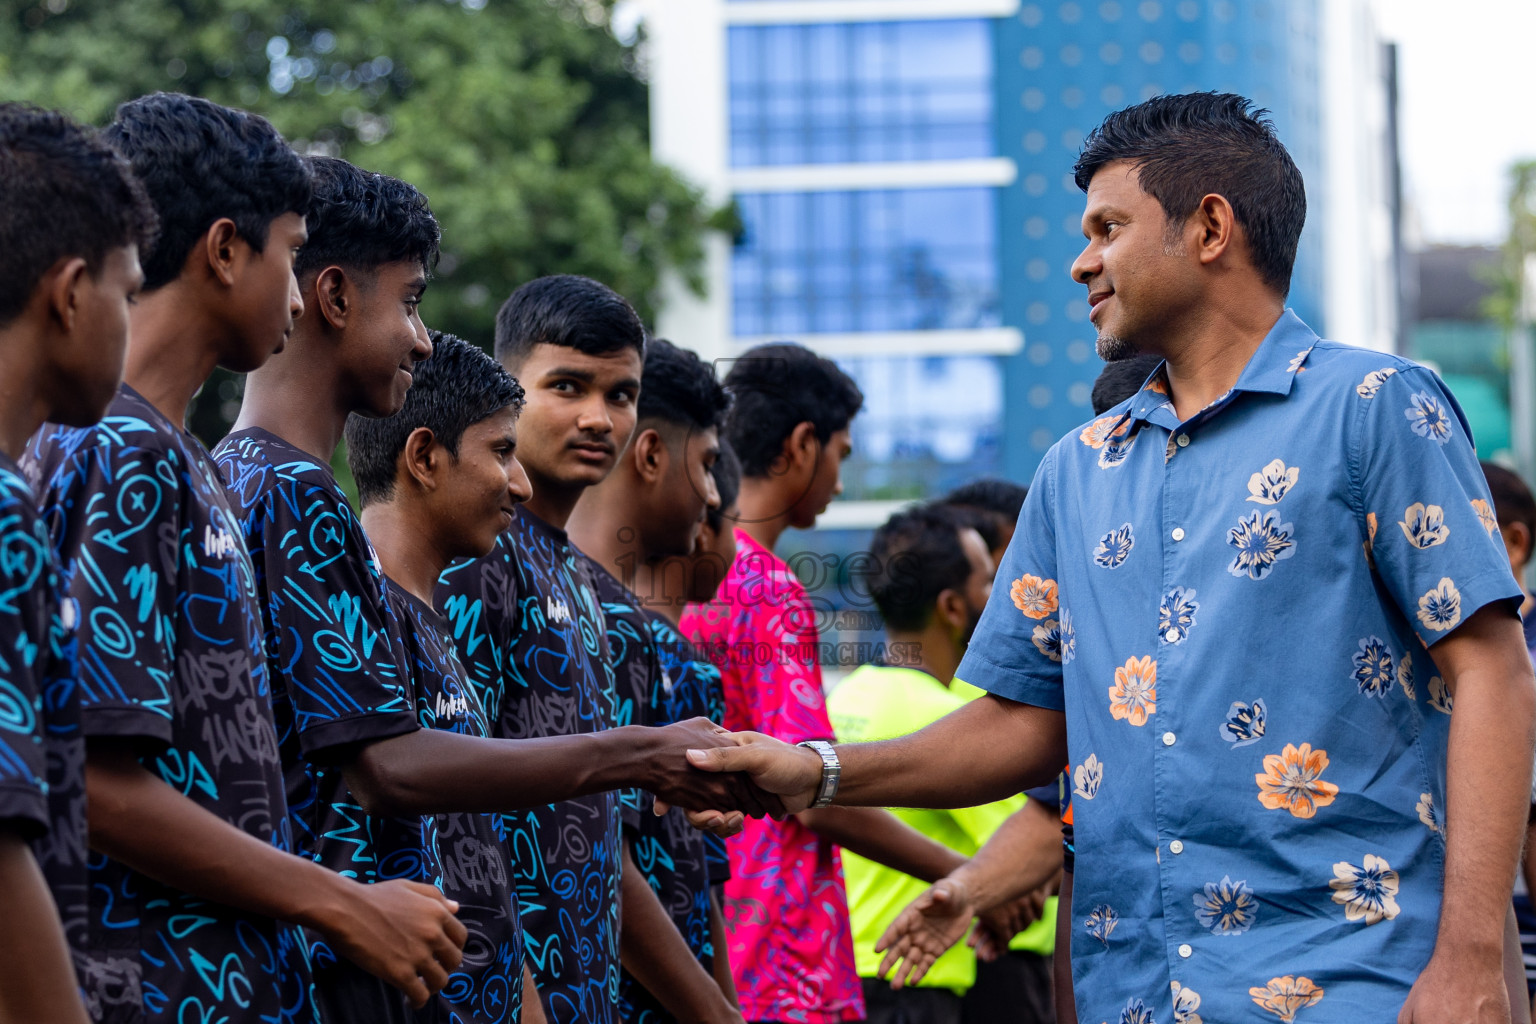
column 1517, row 539
column 61, row 287
column 332, row 297
column 648, row 452
column 1214, row 227
column 423, row 460
column 219, row 250
column 950, row 608
column 802, row 447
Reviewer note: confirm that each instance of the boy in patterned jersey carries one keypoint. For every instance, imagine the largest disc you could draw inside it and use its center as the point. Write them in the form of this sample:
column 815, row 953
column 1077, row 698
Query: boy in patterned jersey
column 437, row 481
column 532, row 635
column 638, row 526
column 70, row 233
column 173, row 686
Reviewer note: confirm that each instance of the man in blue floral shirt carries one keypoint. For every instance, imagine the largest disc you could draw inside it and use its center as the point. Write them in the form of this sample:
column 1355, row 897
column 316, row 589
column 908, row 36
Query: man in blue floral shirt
column 1242, row 604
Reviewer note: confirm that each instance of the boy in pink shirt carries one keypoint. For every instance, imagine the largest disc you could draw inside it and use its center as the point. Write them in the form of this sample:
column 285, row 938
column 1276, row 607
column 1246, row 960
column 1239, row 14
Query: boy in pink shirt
column 786, row 909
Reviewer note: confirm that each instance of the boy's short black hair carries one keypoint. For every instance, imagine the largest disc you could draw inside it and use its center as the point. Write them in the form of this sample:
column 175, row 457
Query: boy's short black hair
column 454, row 388
column 570, row 311
column 1512, row 500
column 1189, row 145
column 200, row 162
column 1120, row 379
column 65, row 194
column 727, row 474
column 777, row 387
column 917, row 555
column 990, row 505
column 680, row 388
column 362, row 220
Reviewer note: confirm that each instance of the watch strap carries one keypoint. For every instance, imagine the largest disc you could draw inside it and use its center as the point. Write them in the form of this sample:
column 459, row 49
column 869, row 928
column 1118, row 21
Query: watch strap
column 831, row 771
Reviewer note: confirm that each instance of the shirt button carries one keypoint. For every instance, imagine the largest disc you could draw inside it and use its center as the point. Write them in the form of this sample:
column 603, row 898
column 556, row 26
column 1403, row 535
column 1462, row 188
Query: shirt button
column 1186, row 951
column 1183, row 440
column 1172, row 636
column 1177, row 846
column 1178, row 533
column 1168, row 739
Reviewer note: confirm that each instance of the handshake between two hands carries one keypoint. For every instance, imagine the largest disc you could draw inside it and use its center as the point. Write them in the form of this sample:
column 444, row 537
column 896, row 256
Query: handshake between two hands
column 720, row 778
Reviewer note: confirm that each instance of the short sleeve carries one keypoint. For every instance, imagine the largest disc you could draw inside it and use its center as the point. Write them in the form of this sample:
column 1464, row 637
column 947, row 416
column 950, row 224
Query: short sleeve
column 117, row 510
column 636, row 672
column 1429, row 524
column 329, row 624
column 774, row 652
column 25, row 569
column 1011, row 653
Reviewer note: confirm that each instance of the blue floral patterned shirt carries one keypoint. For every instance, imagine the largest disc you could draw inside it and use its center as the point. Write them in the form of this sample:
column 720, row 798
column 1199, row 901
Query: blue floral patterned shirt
column 1233, row 612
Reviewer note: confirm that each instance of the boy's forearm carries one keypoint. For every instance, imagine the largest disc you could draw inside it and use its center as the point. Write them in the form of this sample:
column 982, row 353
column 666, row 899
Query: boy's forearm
column 878, row 835
column 38, row 982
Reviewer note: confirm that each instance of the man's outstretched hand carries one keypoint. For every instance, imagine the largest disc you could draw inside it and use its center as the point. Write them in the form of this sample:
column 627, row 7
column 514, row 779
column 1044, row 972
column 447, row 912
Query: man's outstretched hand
column 778, row 773
column 924, row 931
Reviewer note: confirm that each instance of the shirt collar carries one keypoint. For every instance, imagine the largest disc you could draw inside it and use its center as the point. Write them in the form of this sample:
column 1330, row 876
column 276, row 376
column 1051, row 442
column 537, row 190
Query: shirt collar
column 1272, row 367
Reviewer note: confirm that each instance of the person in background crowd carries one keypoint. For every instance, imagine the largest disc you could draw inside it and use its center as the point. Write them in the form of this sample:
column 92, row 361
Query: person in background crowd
column 71, row 229
column 1342, row 674
column 176, row 711
column 638, row 526
column 930, row 582
column 994, row 505
column 715, row 549
column 1515, row 510
column 786, row 911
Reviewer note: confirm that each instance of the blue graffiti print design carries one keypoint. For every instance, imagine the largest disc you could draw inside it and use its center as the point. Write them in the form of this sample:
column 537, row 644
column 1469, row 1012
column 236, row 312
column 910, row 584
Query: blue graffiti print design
column 170, row 638
column 529, row 628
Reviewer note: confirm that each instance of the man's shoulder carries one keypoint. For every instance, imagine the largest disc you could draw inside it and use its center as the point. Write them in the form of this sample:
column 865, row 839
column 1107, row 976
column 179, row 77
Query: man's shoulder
column 255, row 464
column 1363, row 369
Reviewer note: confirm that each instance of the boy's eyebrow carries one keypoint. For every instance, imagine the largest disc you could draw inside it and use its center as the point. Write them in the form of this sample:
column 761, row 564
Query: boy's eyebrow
column 586, row 376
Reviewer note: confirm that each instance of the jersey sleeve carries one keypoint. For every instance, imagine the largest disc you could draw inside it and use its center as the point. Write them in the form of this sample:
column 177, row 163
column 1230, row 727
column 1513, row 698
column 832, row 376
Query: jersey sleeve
column 636, row 689
column 480, row 600
column 1428, row 523
column 116, row 511
column 1011, row 653
column 25, row 568
column 329, row 618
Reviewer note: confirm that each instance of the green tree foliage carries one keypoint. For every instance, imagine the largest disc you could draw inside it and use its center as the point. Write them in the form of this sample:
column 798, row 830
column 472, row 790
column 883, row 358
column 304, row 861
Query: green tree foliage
column 523, row 120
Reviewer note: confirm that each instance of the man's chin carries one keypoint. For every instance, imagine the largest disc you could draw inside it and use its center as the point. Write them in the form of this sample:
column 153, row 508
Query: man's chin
column 1113, row 348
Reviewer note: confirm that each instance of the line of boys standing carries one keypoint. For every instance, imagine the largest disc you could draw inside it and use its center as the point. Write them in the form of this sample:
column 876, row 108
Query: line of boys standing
column 267, row 709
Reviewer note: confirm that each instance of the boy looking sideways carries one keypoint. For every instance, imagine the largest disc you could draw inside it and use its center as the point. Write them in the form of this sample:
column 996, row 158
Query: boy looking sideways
column 641, row 521
column 531, row 633
column 174, row 696
column 437, row 481
column 71, row 229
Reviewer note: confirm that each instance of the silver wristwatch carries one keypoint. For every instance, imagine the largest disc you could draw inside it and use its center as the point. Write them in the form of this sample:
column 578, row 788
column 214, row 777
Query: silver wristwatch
column 831, row 771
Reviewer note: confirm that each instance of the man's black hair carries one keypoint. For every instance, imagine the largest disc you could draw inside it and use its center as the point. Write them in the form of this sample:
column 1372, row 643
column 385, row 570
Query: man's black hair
column 777, row 387
column 454, row 388
column 727, row 474
column 66, row 194
column 200, row 162
column 680, row 388
column 570, row 311
column 1121, row 379
column 990, row 494
column 362, row 220
column 917, row 555
column 990, row 505
column 1190, row 145
column 1512, row 500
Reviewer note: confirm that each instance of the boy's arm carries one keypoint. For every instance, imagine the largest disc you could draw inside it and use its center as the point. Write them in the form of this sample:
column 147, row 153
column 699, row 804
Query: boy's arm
column 39, row 981
column 404, row 932
column 722, row 961
column 652, row 949
column 533, row 1009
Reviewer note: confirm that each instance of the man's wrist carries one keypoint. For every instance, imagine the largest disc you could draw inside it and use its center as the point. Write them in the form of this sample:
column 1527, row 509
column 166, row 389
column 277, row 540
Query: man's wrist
column 831, row 771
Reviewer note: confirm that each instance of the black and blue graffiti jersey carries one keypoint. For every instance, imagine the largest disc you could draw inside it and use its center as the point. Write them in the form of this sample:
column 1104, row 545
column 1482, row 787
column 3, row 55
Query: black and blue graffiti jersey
column 668, row 851
column 473, row 862
column 170, row 658
column 697, row 691
column 42, row 752
column 337, row 680
column 530, row 632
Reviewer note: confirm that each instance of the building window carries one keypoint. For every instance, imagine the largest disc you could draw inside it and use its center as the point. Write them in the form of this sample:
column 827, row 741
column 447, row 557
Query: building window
column 879, row 91
column 929, row 424
column 837, row 262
